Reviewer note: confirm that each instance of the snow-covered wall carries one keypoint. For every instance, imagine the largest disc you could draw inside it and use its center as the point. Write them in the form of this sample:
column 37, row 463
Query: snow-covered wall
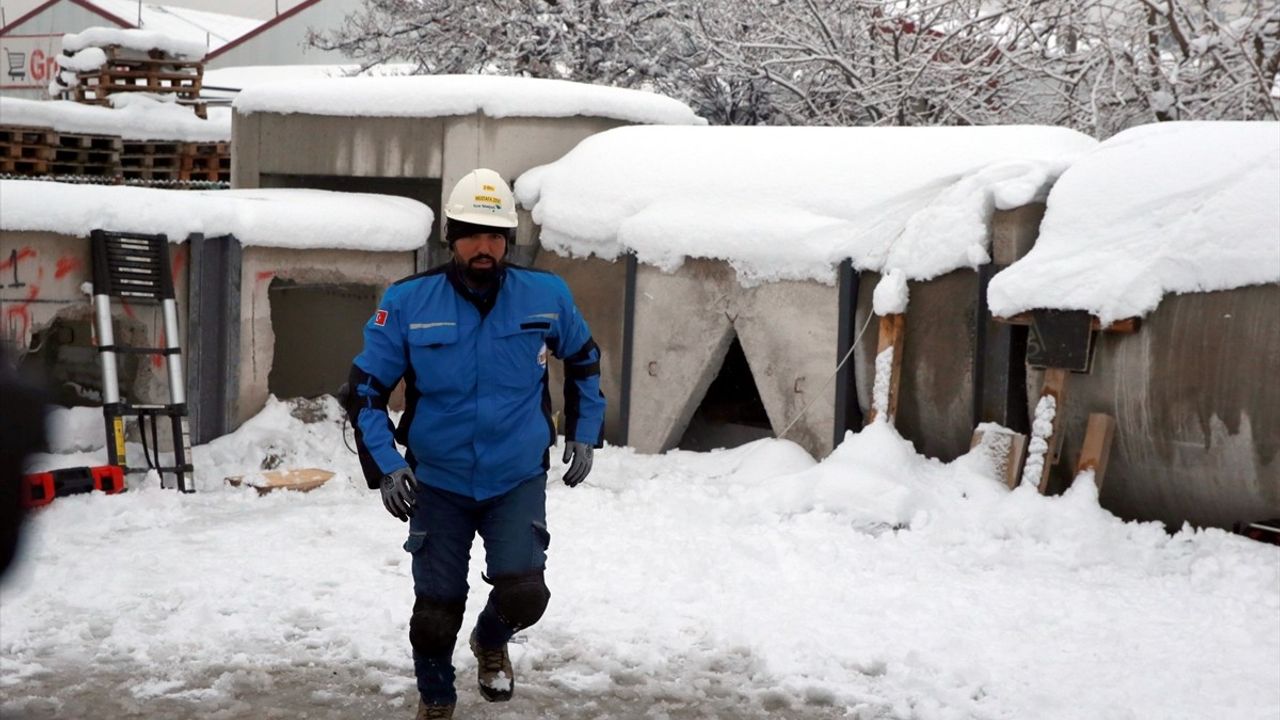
column 445, row 95
column 299, row 219
column 791, row 203
column 1158, row 209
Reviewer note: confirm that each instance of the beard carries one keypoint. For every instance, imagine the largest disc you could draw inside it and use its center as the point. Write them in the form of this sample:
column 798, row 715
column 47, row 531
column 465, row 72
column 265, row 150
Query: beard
column 480, row 275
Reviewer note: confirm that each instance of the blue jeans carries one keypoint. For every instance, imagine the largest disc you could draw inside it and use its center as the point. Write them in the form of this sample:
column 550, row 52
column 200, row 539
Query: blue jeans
column 444, row 524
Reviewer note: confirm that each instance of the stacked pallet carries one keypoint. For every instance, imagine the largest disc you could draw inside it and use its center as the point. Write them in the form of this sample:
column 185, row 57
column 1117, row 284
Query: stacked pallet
column 154, row 72
column 206, row 161
column 25, row 151
column 86, row 155
column 42, row 151
column 151, row 160
column 37, row 151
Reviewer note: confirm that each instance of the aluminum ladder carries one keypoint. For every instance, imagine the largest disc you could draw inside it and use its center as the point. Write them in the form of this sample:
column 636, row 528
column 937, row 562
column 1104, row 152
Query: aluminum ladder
column 135, row 268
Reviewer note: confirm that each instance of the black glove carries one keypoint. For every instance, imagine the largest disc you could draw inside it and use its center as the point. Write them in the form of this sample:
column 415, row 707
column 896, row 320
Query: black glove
column 399, row 493
column 581, row 467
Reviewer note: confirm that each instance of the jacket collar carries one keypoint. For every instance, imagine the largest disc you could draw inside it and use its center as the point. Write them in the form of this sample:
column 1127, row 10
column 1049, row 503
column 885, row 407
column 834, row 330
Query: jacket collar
column 483, row 300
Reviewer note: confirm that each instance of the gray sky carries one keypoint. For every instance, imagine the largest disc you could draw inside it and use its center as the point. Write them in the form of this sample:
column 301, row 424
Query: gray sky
column 14, row 9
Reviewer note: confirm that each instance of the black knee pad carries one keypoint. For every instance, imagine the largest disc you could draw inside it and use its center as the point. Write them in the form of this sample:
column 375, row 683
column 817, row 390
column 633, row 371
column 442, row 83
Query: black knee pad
column 520, row 599
column 434, row 626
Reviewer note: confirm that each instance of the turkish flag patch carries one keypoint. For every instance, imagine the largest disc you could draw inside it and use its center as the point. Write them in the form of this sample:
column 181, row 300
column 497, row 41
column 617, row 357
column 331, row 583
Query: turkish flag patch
column 380, row 318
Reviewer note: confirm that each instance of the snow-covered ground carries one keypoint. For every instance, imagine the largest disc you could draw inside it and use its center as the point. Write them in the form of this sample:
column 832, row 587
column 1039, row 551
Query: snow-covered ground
column 745, row 583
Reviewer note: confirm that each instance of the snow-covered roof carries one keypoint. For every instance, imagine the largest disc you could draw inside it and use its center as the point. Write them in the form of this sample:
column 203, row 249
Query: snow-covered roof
column 300, row 219
column 440, row 95
column 139, row 40
column 1170, row 207
column 791, row 203
column 139, row 118
column 246, row 76
column 207, row 29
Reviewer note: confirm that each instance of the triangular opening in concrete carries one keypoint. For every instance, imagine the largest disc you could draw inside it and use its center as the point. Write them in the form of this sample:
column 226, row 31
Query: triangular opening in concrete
column 731, row 413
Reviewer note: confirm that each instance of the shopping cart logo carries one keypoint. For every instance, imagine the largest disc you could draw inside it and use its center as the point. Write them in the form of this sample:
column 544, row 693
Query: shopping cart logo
column 17, row 65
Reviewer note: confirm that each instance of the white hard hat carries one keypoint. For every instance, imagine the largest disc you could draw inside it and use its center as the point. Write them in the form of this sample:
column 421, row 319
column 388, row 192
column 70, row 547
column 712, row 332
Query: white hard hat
column 481, row 197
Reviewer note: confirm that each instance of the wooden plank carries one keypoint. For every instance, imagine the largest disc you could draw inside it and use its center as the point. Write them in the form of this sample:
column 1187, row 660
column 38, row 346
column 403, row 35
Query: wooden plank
column 1055, row 385
column 1005, row 448
column 1097, row 446
column 301, row 480
column 1127, row 326
column 893, row 330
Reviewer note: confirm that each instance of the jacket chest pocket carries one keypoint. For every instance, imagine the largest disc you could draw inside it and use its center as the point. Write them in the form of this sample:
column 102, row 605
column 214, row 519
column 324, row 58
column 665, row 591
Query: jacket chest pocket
column 433, row 350
column 521, row 353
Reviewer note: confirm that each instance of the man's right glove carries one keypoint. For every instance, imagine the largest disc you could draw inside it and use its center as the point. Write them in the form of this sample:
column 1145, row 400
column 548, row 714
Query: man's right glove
column 399, row 493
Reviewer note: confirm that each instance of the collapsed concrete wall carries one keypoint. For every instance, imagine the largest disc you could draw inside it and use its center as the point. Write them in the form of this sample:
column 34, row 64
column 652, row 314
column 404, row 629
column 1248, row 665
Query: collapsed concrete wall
column 333, row 269
column 685, row 322
column 48, row 317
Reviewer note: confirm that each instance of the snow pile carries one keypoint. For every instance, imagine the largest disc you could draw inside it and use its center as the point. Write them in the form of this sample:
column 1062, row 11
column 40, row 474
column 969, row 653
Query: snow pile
column 891, row 294
column 440, row 95
column 136, row 118
column 791, row 203
column 73, row 430
column 86, row 60
column 748, row 583
column 142, row 41
column 269, row 218
column 1164, row 208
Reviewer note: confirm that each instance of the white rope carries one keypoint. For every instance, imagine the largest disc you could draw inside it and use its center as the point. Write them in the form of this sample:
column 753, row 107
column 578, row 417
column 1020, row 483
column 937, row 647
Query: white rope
column 829, row 378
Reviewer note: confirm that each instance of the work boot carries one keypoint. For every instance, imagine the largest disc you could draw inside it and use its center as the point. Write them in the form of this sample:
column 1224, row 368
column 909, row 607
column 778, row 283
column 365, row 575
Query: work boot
column 497, row 680
column 433, row 712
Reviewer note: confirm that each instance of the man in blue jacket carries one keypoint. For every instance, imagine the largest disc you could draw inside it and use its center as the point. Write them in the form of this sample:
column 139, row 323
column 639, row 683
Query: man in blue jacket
column 471, row 340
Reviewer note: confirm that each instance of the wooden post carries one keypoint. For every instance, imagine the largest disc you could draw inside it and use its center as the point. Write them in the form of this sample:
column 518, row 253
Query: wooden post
column 1055, row 385
column 1006, row 448
column 893, row 330
column 1097, row 446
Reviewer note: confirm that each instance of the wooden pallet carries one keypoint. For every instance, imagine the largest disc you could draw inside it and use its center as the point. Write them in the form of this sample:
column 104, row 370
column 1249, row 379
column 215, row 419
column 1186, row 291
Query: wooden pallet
column 157, row 171
column 151, row 160
column 22, row 166
column 151, row 148
column 79, row 141
column 26, row 152
column 101, row 84
column 19, row 135
column 206, row 161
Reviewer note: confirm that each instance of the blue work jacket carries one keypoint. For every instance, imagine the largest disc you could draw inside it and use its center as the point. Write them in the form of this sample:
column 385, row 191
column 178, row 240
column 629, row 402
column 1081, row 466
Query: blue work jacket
column 477, row 418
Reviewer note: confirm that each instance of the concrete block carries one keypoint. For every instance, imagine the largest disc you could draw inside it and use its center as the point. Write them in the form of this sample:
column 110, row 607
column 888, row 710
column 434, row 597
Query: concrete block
column 682, row 332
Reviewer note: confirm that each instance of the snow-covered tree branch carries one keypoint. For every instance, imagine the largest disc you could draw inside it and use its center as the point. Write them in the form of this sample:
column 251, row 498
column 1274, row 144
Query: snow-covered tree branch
column 1096, row 65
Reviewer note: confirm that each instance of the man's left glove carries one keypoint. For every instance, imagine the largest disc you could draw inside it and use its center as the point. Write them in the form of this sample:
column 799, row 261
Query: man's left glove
column 581, row 454
column 399, row 493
